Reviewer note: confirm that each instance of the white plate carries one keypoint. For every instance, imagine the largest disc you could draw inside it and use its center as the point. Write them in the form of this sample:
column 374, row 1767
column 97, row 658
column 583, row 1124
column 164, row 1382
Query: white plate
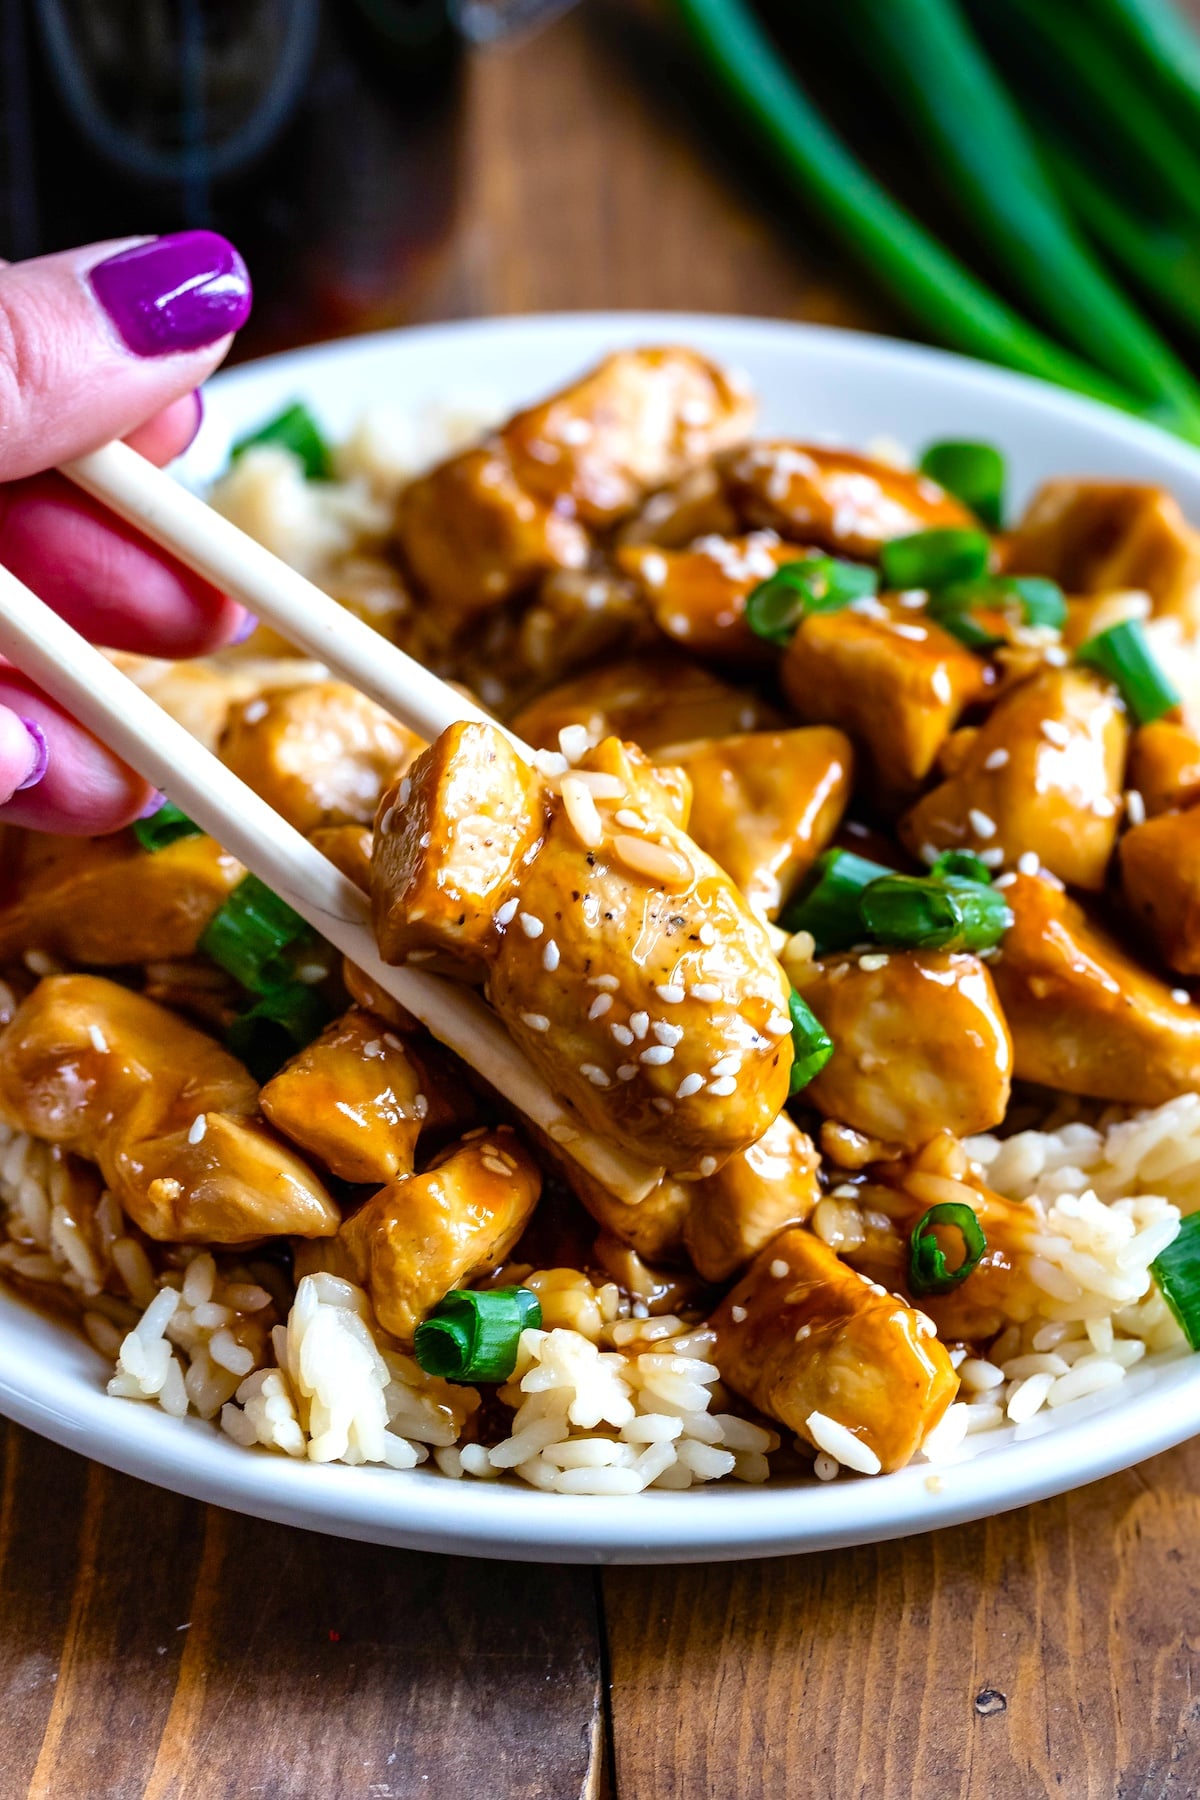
column 815, row 383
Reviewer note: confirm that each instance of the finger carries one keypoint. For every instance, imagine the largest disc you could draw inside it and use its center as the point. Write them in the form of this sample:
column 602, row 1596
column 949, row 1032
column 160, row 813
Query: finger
column 169, row 433
column 95, row 341
column 77, row 787
column 107, row 580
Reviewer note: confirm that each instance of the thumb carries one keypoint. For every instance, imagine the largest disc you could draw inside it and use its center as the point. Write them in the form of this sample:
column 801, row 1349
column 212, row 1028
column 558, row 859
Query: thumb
column 93, row 342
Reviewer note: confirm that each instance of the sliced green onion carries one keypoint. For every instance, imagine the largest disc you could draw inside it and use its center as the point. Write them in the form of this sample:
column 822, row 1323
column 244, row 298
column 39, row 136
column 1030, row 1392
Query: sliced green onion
column 914, row 913
column 775, row 608
column 164, row 827
column 1042, row 600
column 826, row 903
column 270, row 1032
column 248, row 934
column 812, row 1045
column 961, row 865
column 473, row 1335
column 960, row 622
column 928, row 1272
column 296, row 430
column 1123, row 653
column 973, row 473
column 1177, row 1272
column 933, row 559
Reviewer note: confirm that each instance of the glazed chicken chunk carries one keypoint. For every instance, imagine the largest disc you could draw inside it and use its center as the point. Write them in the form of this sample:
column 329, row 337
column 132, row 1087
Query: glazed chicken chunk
column 621, row 958
column 846, row 503
column 697, row 595
column 165, row 1111
column 664, row 698
column 1164, row 766
column 1098, row 536
column 1160, row 873
column 808, row 1340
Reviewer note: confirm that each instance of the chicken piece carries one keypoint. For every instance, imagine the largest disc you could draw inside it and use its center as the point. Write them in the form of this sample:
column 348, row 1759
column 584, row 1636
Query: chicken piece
column 801, row 1334
column 765, row 805
column 698, row 595
column 1160, row 873
column 634, row 970
column 846, row 503
column 1164, row 766
column 653, row 1227
column 1044, row 774
column 161, row 1108
column 451, row 842
column 651, row 700
column 424, row 1234
column 107, row 901
column 1084, row 1016
column 745, row 1204
column 198, row 693
column 920, row 1041
column 491, row 521
column 890, row 677
column 1095, row 536
column 320, row 754
column 1088, row 615
column 348, row 848
column 356, row 1099
column 676, row 516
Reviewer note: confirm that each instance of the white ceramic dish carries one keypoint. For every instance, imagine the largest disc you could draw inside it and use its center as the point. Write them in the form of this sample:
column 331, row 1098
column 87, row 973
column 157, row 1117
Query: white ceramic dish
column 818, row 384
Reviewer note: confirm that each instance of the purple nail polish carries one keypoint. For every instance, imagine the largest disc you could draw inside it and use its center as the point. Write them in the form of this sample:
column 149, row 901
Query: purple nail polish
column 41, row 756
column 154, row 804
column 247, row 628
column 175, row 293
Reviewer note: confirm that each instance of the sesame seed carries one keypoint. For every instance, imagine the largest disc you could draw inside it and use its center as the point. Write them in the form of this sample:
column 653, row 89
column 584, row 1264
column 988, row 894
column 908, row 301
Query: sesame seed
column 600, row 1005
column 708, row 991
column 657, row 1053
column 550, row 763
column 639, row 1024
column 737, row 1314
column 1028, row 863
column 535, row 1021
column 530, row 926
column 419, row 956
column 666, row 1034
column 580, row 808
column 707, row 935
column 996, row 759
column 940, row 683
column 595, row 1075
column 1005, row 881
column 929, row 853
column 727, row 1065
column 662, row 1106
column 494, row 1164
column 777, row 1024
column 708, row 1166
column 609, row 982
column 574, row 742
column 981, row 824
column 993, row 858
column 385, row 824
column 1135, row 807
column 256, row 710
column 1181, row 996
column 779, row 1268
column 670, row 993
column 725, row 1086
column 657, row 862
column 374, row 1047
column 197, row 1129
column 1056, row 655
column 1056, row 733
column 420, row 1106
column 632, row 821
column 550, row 956
column 508, row 912
column 622, row 1034
column 871, row 963
column 627, row 1071
column 653, row 569
column 97, row 1039
column 691, row 1084
column 918, row 634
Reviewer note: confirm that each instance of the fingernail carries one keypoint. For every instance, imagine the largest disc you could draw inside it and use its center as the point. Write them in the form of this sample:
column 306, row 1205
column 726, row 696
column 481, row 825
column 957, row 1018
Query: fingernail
column 154, row 804
column 247, row 628
column 198, row 397
column 41, row 756
column 175, row 293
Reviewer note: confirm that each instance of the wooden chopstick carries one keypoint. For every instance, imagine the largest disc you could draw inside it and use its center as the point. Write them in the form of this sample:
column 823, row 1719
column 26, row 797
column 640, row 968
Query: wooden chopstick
column 81, row 679
column 179, row 521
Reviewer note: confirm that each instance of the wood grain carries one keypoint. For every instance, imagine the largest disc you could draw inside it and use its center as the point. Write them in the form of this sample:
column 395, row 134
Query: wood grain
column 154, row 1649
column 1051, row 1651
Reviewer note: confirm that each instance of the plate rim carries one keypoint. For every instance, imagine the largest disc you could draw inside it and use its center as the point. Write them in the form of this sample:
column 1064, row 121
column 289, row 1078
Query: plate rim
column 506, row 1521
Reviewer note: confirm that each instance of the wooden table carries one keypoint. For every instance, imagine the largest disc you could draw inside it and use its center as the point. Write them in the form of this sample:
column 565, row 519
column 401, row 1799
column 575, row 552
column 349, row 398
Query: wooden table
column 151, row 1647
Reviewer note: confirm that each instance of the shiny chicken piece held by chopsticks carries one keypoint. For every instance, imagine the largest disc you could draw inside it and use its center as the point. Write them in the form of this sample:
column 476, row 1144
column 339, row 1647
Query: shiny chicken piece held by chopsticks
column 622, row 959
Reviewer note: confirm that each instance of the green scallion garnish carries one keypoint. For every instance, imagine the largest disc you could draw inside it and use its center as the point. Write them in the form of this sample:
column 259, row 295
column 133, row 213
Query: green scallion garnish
column 271, row 1031
column 928, row 1272
column 1177, row 1272
column 914, row 913
column 812, row 1045
column 164, row 827
column 826, row 903
column 973, row 473
column 1042, row 600
column 248, row 934
column 1123, row 653
column 961, row 865
column 296, row 430
column 1039, row 601
column 811, row 584
column 473, row 1335
column 933, row 559
column 946, row 609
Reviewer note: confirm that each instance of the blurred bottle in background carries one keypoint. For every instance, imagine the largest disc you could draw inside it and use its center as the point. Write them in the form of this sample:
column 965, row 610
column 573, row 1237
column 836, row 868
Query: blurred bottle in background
column 321, row 137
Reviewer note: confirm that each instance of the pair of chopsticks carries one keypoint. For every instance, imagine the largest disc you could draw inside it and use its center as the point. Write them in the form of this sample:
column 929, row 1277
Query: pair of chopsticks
column 82, row 680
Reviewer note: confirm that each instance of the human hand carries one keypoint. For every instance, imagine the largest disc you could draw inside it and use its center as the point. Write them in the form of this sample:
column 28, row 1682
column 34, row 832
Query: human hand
column 109, row 341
